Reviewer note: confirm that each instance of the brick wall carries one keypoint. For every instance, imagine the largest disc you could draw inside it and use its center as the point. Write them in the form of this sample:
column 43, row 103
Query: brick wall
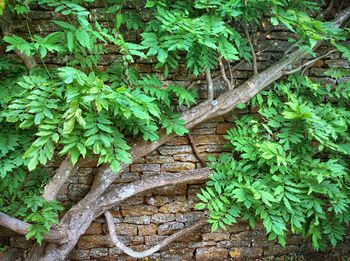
column 144, row 220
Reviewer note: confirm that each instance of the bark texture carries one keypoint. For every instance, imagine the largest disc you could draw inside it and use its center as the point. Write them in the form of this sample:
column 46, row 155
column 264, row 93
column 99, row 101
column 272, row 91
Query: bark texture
column 65, row 170
column 22, row 228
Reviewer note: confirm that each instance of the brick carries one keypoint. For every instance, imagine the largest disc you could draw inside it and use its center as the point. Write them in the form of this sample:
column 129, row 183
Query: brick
column 93, row 241
column 244, row 253
column 212, row 253
column 177, row 166
column 158, row 200
column 171, row 150
column 169, row 228
column 77, row 191
column 147, row 230
column 209, row 139
column 99, row 252
column 216, row 236
column 179, row 141
column 145, row 167
column 141, row 220
column 186, row 158
column 79, row 254
column 138, row 210
column 94, row 229
column 177, row 254
column 159, row 159
column 189, row 216
column 123, row 229
column 162, row 218
column 222, row 128
column 174, row 207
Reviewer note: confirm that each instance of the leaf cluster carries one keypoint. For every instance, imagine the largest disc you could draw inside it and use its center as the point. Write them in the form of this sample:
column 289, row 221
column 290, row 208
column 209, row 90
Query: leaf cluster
column 288, row 166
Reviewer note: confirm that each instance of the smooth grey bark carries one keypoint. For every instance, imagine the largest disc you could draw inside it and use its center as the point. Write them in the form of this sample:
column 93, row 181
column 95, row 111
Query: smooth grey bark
column 62, row 174
column 22, row 228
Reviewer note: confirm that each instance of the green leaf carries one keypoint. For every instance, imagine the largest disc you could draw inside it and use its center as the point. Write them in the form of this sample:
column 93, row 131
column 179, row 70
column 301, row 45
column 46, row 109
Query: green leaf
column 70, row 41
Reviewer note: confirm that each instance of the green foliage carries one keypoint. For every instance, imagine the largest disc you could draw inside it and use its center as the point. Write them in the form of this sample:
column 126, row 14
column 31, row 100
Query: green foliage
column 288, row 165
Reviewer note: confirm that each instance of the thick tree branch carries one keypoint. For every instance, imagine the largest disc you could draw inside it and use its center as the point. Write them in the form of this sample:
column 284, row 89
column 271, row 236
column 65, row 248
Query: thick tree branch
column 195, row 150
column 62, row 174
column 21, row 227
column 205, row 111
column 114, row 197
column 119, row 244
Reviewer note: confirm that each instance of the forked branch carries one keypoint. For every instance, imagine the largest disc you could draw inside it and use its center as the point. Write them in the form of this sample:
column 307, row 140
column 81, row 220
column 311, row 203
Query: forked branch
column 309, row 63
column 119, row 244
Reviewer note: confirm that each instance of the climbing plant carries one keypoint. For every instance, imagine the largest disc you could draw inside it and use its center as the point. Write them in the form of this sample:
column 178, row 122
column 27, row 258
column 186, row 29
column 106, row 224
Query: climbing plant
column 288, row 163
column 76, row 109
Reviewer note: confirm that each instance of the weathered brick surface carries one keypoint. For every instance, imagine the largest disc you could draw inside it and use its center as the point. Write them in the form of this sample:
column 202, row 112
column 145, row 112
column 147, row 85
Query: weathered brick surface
column 147, row 219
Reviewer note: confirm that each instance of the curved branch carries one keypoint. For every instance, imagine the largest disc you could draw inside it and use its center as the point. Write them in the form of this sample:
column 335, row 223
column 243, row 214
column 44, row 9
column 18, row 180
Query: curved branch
column 119, row 244
column 21, row 227
column 195, row 150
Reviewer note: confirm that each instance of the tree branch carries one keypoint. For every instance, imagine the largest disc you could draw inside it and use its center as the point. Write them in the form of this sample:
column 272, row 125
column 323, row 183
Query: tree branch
column 6, row 25
column 119, row 244
column 223, row 74
column 195, row 150
column 309, row 63
column 210, row 85
column 327, row 10
column 205, row 111
column 113, row 196
column 255, row 65
column 62, row 174
column 21, row 227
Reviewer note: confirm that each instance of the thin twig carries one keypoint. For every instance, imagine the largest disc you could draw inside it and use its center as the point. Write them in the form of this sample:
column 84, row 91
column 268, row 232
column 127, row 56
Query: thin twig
column 210, row 85
column 255, row 65
column 231, row 74
column 309, row 63
column 327, row 10
column 195, row 150
column 223, row 74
